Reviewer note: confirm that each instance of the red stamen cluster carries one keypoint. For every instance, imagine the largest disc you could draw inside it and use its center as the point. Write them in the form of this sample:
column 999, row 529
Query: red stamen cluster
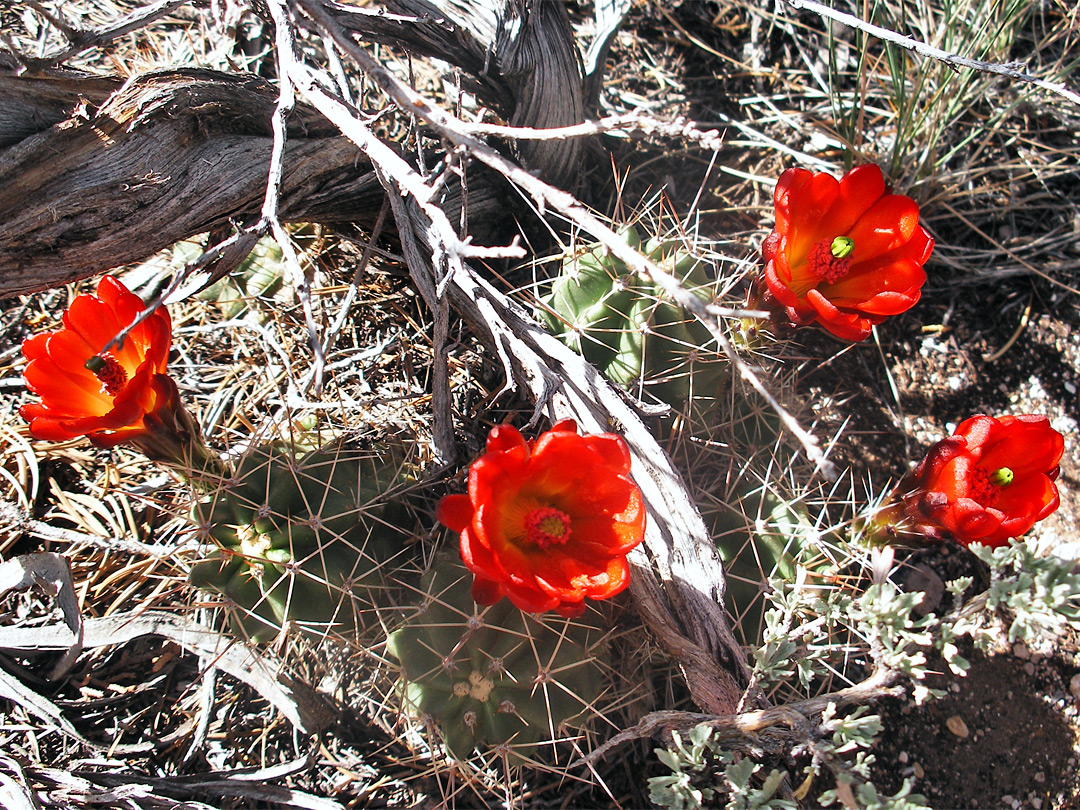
column 547, row 525
column 824, row 265
column 107, row 368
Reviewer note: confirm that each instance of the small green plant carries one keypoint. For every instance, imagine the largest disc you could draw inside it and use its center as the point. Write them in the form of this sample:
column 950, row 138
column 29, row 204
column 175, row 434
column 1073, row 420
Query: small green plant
column 630, row 329
column 705, row 775
column 300, row 536
column 494, row 677
column 1036, row 594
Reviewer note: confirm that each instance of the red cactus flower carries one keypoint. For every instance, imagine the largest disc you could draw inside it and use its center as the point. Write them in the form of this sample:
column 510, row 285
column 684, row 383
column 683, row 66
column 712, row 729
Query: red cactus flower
column 113, row 396
column 845, row 253
column 548, row 522
column 988, row 482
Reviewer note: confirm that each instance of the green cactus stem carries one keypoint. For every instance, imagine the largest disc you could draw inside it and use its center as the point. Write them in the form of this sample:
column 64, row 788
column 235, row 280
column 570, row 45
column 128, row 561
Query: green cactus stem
column 494, row 677
column 301, row 539
column 760, row 536
column 630, row 329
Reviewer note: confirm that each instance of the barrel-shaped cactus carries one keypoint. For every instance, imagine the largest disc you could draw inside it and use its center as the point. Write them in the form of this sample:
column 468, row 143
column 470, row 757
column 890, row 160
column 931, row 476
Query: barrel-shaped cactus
column 632, row 330
column 494, row 677
column 301, row 537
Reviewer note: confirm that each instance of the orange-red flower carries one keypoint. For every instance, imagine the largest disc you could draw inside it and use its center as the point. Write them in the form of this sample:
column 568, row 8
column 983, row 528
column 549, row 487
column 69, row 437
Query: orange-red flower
column 988, row 482
column 548, row 522
column 845, row 253
column 109, row 396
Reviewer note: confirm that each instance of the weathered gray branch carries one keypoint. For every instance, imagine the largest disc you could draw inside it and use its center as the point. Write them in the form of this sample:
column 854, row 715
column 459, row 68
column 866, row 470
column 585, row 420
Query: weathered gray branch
column 168, row 156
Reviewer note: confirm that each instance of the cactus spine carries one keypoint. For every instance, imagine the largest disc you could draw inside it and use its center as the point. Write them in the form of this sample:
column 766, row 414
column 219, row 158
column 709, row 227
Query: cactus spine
column 493, row 676
column 630, row 329
column 300, row 538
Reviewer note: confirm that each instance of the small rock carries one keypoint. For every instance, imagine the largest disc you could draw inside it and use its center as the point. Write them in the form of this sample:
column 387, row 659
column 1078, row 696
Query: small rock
column 1040, row 777
column 918, row 770
column 1029, row 668
column 1007, row 799
column 903, row 757
column 1021, row 651
column 1036, row 802
column 957, row 726
column 1074, row 686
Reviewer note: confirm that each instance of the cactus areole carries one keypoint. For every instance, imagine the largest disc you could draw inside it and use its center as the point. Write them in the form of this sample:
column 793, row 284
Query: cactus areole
column 548, row 522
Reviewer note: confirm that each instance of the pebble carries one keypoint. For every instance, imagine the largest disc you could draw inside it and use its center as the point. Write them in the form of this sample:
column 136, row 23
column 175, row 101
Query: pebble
column 1021, row 651
column 1040, row 777
column 903, row 758
column 957, row 726
column 1006, row 799
column 1029, row 668
column 1036, row 802
column 1074, row 686
column 918, row 770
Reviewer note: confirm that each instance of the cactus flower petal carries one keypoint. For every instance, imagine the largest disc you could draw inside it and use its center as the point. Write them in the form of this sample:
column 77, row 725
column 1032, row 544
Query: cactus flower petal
column 845, row 253
column 548, row 522
column 960, row 488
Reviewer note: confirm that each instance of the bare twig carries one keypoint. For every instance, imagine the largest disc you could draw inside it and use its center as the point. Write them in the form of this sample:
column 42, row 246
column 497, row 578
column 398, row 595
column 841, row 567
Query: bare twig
column 299, row 703
column 442, row 412
column 794, row 715
column 82, row 40
column 286, row 55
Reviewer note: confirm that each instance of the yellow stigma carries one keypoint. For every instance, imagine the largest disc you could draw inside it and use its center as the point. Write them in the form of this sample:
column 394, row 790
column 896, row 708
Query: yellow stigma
column 1002, row 477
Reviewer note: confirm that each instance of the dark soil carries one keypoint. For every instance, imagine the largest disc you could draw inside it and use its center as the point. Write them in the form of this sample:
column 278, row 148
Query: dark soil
column 1004, row 736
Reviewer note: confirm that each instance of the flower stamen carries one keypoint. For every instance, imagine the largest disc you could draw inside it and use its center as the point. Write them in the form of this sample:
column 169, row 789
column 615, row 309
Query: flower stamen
column 547, row 525
column 983, row 489
column 106, row 368
column 827, row 261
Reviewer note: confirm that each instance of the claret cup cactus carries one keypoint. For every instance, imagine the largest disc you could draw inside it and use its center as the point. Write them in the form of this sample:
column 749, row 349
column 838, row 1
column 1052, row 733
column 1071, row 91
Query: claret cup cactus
column 630, row 329
column 301, row 537
column 493, row 677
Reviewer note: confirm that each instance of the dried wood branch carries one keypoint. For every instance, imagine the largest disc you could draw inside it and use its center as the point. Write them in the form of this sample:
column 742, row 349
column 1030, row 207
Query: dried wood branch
column 83, row 39
column 170, row 155
column 299, row 703
column 738, row 728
